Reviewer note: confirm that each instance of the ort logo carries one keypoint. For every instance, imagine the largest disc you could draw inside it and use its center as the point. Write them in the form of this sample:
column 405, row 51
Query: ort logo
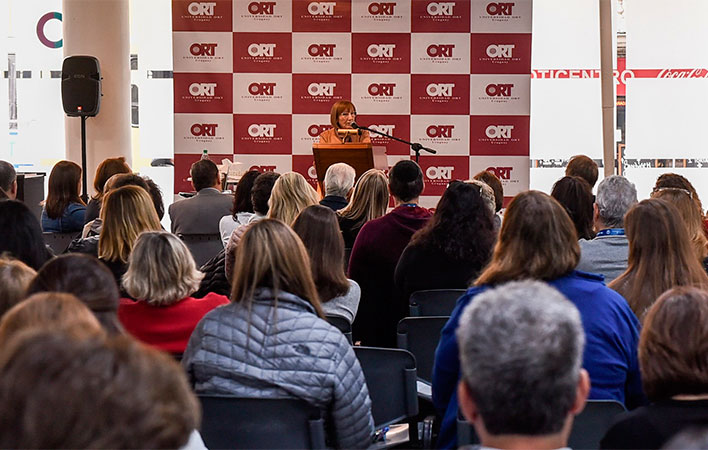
column 262, row 169
column 440, row 89
column 499, row 131
column 198, row 49
column 201, row 8
column 321, row 50
column 256, row 8
column 440, row 8
column 321, row 8
column 261, row 49
column 315, row 130
column 381, row 9
column 440, row 131
column 499, row 90
column 440, row 50
column 500, row 51
column 261, row 130
column 388, row 129
column 503, row 173
column 439, row 172
column 202, row 89
column 381, row 50
column 312, row 172
column 381, row 89
column 203, row 129
column 321, row 89
column 499, row 9
column 261, row 88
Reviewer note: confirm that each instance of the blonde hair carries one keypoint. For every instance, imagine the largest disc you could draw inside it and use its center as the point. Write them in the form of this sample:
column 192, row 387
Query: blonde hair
column 487, row 194
column 369, row 199
column 291, row 194
column 161, row 269
column 690, row 213
column 126, row 212
column 15, row 278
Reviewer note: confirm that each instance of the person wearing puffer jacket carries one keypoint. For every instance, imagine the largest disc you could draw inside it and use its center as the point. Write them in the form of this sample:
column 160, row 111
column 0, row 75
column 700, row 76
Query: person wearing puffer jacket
column 271, row 341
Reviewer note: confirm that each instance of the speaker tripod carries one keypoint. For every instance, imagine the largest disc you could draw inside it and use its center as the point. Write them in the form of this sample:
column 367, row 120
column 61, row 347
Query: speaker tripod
column 84, row 185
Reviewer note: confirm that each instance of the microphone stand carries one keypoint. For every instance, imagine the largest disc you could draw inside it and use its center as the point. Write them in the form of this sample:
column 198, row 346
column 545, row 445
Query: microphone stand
column 416, row 147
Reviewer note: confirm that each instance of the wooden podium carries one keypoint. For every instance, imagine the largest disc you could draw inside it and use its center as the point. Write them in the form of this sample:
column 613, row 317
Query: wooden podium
column 361, row 157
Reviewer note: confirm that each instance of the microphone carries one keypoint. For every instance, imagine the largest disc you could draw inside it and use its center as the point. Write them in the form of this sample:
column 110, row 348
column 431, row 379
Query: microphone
column 355, row 126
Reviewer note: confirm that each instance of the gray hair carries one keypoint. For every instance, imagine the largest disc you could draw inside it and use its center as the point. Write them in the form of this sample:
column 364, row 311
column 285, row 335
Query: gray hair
column 7, row 176
column 339, row 179
column 521, row 348
column 615, row 195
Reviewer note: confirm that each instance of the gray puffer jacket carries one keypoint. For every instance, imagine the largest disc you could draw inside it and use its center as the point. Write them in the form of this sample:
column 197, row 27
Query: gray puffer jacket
column 283, row 352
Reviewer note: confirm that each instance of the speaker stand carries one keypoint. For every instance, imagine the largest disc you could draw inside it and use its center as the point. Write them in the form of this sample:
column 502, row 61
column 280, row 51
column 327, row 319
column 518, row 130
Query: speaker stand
column 84, row 187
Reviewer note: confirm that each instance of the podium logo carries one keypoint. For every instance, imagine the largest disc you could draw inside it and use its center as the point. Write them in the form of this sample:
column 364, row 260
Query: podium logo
column 499, row 90
column 381, row 50
column 388, row 129
column 439, row 172
column 381, row 89
column 256, row 8
column 381, row 9
column 440, row 50
column 261, row 130
column 262, row 169
column 261, row 88
column 197, row 49
column 321, row 8
column 312, row 173
column 321, row 50
column 440, row 131
column 499, row 131
column 440, row 89
column 499, row 9
column 440, row 8
column 500, row 51
column 315, row 130
column 203, row 129
column 321, row 89
column 201, row 8
column 503, row 173
column 202, row 89
column 261, row 49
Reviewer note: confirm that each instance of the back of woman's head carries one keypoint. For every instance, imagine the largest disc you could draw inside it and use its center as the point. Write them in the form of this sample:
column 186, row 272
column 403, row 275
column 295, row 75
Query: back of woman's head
column 673, row 345
column 674, row 180
column 462, row 227
column 691, row 215
column 15, row 278
column 21, row 236
column 660, row 255
column 369, row 199
column 63, row 188
column 86, row 278
column 271, row 255
column 242, row 196
column 537, row 240
column 261, row 190
column 291, row 194
column 161, row 269
column 105, row 170
column 318, row 229
column 495, row 183
column 133, row 179
column 126, row 212
column 575, row 194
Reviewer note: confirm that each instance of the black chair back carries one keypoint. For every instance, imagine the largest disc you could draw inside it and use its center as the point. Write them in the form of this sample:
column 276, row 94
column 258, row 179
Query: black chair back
column 232, row 422
column 342, row 325
column 420, row 336
column 591, row 425
column 434, row 302
column 391, row 380
column 59, row 242
column 203, row 246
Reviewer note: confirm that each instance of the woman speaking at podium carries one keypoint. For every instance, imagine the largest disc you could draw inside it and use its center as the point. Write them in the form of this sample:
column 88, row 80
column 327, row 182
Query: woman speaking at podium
column 342, row 116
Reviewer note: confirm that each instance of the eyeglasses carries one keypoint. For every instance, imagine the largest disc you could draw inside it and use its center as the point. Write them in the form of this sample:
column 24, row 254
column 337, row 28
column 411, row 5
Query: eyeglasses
column 656, row 190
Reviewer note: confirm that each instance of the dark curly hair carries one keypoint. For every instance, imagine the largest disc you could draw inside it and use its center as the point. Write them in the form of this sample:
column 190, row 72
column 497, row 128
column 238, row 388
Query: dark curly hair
column 462, row 226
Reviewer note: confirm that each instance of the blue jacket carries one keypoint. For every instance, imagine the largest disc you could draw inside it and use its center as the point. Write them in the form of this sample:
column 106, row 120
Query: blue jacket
column 610, row 357
column 72, row 219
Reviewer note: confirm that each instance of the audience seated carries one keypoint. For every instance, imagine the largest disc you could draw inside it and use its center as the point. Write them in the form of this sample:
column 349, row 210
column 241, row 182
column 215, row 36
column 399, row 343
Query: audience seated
column 584, row 167
column 86, row 278
column 201, row 214
column 21, row 236
column 369, row 201
column 161, row 276
column 672, row 358
column 8, row 181
column 521, row 349
column 338, row 183
column 661, row 255
column 317, row 227
column 64, row 391
column 63, row 210
column 104, row 171
column 607, row 252
column 538, row 241
column 451, row 249
column 242, row 208
column 376, row 252
column 495, row 183
column 575, row 195
column 15, row 278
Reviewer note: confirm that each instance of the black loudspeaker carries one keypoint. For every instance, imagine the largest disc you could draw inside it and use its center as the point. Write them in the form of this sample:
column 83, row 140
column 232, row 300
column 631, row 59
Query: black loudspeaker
column 81, row 86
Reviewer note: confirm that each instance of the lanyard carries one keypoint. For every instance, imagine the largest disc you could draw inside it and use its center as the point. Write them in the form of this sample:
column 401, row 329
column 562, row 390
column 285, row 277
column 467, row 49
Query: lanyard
column 410, row 205
column 610, row 232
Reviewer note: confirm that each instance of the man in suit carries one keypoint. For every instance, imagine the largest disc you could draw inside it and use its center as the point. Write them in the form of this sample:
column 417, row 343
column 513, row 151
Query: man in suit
column 201, row 214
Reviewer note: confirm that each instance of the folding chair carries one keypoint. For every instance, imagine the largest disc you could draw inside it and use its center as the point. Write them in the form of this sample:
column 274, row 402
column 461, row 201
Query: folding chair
column 342, row 325
column 420, row 336
column 434, row 302
column 591, row 425
column 59, row 242
column 202, row 246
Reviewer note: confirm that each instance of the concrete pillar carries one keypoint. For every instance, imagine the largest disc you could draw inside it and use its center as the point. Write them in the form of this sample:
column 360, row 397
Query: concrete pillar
column 101, row 28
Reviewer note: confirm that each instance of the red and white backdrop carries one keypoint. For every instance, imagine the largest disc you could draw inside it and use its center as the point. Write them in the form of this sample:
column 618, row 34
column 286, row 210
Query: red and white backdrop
column 254, row 82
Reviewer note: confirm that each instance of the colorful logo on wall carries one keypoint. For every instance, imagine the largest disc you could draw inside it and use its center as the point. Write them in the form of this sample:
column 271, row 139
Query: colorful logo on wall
column 40, row 30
